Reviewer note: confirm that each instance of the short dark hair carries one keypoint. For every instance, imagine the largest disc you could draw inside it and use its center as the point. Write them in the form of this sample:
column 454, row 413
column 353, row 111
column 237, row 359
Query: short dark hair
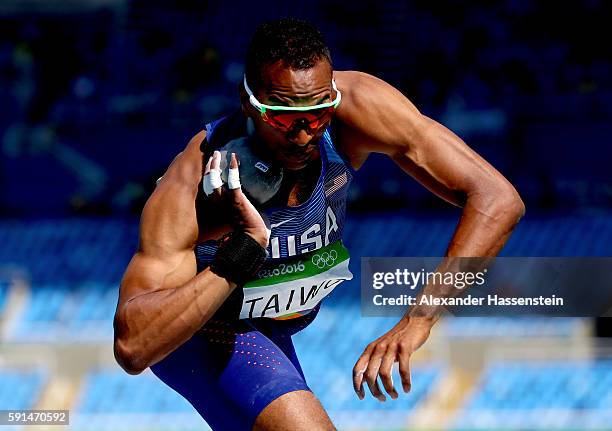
column 296, row 42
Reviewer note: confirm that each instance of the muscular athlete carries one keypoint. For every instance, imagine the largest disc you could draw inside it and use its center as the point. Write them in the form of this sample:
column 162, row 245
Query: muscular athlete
column 199, row 328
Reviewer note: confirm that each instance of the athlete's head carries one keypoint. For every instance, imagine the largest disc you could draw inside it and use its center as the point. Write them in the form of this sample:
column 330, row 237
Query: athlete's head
column 288, row 65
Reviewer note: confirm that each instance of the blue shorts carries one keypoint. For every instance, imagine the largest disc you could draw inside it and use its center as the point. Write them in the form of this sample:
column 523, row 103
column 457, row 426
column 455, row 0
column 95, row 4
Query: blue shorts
column 230, row 370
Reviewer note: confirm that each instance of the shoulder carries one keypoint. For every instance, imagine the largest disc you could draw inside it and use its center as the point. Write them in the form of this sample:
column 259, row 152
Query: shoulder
column 374, row 116
column 362, row 92
column 168, row 220
column 187, row 165
column 359, row 86
column 349, row 81
column 181, row 179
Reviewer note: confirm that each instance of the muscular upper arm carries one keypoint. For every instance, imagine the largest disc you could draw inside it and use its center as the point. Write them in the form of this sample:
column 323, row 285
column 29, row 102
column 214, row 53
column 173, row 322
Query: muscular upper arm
column 168, row 228
column 381, row 119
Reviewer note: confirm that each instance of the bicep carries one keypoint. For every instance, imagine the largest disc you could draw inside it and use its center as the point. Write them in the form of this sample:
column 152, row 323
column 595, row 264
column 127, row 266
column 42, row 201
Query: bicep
column 442, row 162
column 387, row 122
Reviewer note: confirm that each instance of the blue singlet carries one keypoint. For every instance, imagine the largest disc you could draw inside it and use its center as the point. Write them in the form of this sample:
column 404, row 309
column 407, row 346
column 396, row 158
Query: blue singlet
column 232, row 368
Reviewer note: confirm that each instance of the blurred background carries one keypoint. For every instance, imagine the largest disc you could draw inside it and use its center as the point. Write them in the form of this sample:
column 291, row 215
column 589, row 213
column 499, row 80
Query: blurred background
column 98, row 96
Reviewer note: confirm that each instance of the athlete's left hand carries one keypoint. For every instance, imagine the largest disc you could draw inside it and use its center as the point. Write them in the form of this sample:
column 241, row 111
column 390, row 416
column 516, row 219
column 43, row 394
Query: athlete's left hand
column 378, row 358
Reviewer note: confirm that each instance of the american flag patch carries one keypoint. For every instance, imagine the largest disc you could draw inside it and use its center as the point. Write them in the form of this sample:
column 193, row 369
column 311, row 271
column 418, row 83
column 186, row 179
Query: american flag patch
column 332, row 186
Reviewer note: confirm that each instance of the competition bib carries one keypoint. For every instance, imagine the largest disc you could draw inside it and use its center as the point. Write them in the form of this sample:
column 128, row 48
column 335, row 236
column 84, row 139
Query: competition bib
column 291, row 288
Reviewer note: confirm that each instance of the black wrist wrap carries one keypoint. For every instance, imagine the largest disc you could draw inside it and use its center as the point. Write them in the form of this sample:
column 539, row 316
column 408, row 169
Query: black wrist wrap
column 238, row 258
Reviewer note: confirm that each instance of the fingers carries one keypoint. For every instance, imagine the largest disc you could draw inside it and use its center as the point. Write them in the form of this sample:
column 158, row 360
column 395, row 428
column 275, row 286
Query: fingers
column 207, row 167
column 366, row 370
column 206, row 185
column 358, row 383
column 358, row 372
column 377, row 361
column 212, row 182
column 215, row 173
column 234, row 161
column 233, row 183
column 371, row 373
column 233, row 176
column 385, row 371
column 404, row 368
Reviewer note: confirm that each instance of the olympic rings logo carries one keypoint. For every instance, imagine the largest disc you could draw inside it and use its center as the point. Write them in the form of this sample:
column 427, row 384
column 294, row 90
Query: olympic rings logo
column 327, row 258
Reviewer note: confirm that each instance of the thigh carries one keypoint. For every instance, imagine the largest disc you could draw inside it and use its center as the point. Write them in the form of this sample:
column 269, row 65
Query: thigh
column 230, row 372
column 280, row 332
column 294, row 411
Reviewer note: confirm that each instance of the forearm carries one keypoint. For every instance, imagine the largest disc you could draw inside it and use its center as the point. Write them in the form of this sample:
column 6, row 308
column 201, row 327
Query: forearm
column 150, row 326
column 486, row 223
column 485, row 226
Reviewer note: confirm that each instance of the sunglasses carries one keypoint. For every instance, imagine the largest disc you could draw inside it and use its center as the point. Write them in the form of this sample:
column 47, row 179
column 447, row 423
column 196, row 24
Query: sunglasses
column 287, row 118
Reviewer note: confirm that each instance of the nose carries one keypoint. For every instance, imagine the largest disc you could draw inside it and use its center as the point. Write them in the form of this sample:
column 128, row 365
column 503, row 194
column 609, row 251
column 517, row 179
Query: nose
column 301, row 137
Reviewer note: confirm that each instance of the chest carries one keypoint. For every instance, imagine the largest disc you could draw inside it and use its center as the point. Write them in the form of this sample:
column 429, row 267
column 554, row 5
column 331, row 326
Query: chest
column 297, row 187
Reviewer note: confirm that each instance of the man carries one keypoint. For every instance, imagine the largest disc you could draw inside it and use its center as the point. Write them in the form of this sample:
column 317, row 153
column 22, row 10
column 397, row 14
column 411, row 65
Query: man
column 191, row 307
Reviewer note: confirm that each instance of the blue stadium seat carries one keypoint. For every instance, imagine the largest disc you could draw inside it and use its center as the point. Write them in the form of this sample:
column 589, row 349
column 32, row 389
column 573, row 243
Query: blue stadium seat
column 114, row 391
column 20, row 389
column 68, row 314
column 69, row 251
column 112, row 400
column 516, row 327
column 540, row 395
column 4, row 287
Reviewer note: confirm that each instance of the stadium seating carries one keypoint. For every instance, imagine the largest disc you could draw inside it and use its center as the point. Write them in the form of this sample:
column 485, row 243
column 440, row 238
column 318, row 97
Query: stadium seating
column 113, row 391
column 75, row 265
column 113, row 67
column 68, row 251
column 4, row 286
column 20, row 389
column 60, row 314
column 112, row 400
column 541, row 395
column 510, row 327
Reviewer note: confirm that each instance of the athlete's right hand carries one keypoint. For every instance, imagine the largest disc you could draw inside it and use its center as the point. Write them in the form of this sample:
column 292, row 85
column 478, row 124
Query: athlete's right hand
column 246, row 217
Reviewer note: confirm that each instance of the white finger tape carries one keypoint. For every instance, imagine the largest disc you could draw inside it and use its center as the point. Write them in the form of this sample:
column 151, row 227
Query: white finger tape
column 206, row 185
column 212, row 181
column 233, row 179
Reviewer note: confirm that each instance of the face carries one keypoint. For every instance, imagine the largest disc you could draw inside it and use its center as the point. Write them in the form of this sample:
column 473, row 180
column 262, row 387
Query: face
column 282, row 86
